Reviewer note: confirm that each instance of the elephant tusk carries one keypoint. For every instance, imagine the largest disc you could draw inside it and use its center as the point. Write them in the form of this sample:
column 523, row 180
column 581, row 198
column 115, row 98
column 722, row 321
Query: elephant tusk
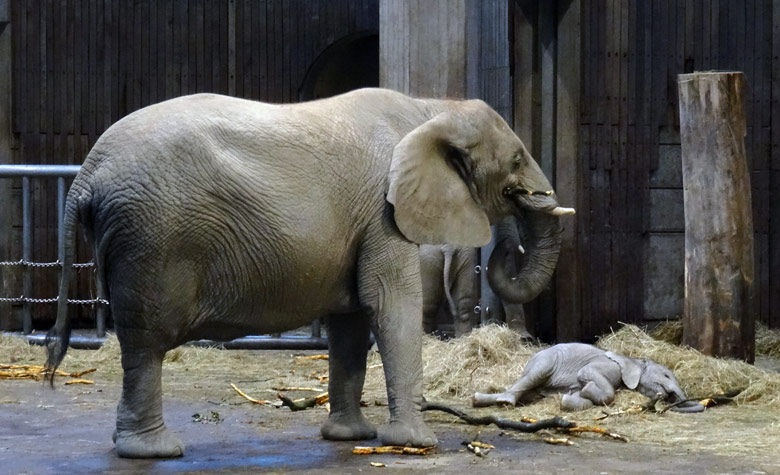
column 559, row 211
column 520, row 248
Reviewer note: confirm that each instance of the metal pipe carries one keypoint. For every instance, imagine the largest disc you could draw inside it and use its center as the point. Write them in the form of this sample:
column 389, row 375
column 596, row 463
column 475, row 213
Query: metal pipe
column 27, row 325
column 7, row 171
column 60, row 219
column 85, row 342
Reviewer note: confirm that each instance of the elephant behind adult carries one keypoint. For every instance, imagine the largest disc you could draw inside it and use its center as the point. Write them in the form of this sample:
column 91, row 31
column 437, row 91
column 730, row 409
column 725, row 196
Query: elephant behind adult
column 216, row 217
column 450, row 287
column 449, row 284
column 519, row 268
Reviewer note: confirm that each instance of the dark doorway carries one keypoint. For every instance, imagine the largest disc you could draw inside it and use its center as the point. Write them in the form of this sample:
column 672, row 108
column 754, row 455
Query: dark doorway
column 349, row 63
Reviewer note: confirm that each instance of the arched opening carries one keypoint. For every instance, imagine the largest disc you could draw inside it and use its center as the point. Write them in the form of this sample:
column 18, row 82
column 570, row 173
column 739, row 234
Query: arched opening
column 349, row 63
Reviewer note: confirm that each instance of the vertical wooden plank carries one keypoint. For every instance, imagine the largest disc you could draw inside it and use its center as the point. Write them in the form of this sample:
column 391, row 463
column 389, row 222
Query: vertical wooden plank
column 94, row 98
column 714, row 35
column 278, row 46
column 20, row 110
column 79, row 44
column 568, row 183
column 151, row 45
column 288, row 28
column 222, row 67
column 241, row 53
column 625, row 170
column 232, row 53
column 107, row 64
column 203, row 72
column 101, row 100
column 172, row 63
column 193, row 35
column 58, row 69
column 255, row 85
column 262, row 66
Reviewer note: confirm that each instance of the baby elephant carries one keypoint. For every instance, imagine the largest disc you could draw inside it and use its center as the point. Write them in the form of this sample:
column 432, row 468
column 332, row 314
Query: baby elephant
column 589, row 376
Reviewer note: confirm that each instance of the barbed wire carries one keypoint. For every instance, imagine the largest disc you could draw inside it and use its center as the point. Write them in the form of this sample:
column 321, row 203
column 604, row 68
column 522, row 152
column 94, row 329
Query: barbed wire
column 22, row 262
column 23, row 299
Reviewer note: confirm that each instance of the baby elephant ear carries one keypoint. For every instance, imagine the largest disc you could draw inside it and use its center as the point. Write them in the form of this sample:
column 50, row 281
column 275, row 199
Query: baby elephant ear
column 430, row 180
column 630, row 369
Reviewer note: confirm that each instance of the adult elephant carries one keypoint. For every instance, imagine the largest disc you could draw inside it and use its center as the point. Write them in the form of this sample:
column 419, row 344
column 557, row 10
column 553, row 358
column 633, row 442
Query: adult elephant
column 216, row 217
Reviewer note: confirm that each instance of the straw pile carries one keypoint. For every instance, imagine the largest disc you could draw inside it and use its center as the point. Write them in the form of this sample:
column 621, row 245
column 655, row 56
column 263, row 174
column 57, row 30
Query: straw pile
column 491, row 358
column 698, row 375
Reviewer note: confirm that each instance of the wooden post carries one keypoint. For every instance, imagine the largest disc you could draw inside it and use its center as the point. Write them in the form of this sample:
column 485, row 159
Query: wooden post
column 718, row 317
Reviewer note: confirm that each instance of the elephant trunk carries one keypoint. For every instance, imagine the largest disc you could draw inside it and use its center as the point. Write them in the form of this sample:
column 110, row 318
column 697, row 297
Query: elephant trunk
column 687, row 406
column 541, row 242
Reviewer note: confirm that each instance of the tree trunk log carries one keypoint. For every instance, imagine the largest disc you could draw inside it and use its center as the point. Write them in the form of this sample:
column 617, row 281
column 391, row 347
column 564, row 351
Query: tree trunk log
column 718, row 317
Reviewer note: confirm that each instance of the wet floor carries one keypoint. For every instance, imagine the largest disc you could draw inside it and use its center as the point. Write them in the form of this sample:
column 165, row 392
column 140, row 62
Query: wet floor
column 69, row 431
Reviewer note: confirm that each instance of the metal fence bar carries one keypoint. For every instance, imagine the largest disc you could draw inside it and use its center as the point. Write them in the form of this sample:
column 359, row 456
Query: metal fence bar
column 290, row 342
column 26, row 255
column 9, row 171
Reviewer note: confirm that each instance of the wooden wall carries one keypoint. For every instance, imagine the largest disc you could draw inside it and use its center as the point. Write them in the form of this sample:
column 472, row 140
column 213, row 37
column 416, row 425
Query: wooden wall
column 599, row 79
column 631, row 220
column 80, row 65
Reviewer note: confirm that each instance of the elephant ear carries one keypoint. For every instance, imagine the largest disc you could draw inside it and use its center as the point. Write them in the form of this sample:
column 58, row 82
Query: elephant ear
column 429, row 185
column 630, row 369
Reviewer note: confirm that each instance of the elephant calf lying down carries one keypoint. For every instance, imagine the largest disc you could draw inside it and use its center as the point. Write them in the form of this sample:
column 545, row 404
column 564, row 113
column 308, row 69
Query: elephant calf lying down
column 588, row 376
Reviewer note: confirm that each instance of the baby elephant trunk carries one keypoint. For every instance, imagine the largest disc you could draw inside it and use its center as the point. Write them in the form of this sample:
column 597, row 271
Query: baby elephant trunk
column 687, row 406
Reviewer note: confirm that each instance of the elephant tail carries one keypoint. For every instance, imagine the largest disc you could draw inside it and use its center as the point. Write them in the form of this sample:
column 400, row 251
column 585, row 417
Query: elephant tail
column 447, row 283
column 58, row 337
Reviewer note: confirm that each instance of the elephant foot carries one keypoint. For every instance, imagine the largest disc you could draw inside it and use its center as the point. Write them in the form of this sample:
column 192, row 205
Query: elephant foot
column 154, row 443
column 347, row 428
column 575, row 402
column 407, row 435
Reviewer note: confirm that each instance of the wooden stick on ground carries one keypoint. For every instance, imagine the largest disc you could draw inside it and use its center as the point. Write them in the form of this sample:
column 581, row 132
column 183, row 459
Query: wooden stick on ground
column 312, row 357
column 392, row 449
column 554, row 423
column 296, row 388
column 241, row 393
column 597, row 430
column 303, row 403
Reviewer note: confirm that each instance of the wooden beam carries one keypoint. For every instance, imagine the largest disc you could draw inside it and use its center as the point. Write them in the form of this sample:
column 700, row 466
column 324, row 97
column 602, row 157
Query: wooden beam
column 718, row 317
column 568, row 173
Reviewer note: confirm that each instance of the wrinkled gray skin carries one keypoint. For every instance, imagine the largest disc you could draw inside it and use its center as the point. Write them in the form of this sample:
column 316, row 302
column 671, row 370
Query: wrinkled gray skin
column 588, row 376
column 216, row 217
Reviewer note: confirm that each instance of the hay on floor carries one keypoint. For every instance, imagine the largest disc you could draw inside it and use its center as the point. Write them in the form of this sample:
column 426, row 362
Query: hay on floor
column 699, row 375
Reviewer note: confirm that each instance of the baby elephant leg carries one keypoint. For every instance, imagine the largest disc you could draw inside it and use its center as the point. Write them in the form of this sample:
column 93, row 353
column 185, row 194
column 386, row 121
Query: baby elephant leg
column 536, row 375
column 596, row 389
column 575, row 402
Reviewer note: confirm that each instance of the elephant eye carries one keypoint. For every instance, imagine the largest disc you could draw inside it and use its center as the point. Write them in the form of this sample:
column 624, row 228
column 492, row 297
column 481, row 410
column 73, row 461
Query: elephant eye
column 517, row 162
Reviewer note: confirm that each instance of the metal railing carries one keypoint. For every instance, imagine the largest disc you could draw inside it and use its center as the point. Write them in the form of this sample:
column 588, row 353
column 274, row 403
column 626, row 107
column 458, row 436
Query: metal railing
column 61, row 172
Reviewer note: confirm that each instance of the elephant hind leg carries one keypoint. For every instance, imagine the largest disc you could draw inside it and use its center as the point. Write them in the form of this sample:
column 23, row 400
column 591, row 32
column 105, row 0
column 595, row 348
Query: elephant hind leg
column 575, row 402
column 140, row 430
column 348, row 338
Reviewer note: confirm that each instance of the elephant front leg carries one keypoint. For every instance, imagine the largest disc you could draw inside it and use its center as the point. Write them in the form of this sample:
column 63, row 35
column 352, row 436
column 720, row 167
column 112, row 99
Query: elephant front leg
column 347, row 346
column 389, row 285
column 140, row 430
